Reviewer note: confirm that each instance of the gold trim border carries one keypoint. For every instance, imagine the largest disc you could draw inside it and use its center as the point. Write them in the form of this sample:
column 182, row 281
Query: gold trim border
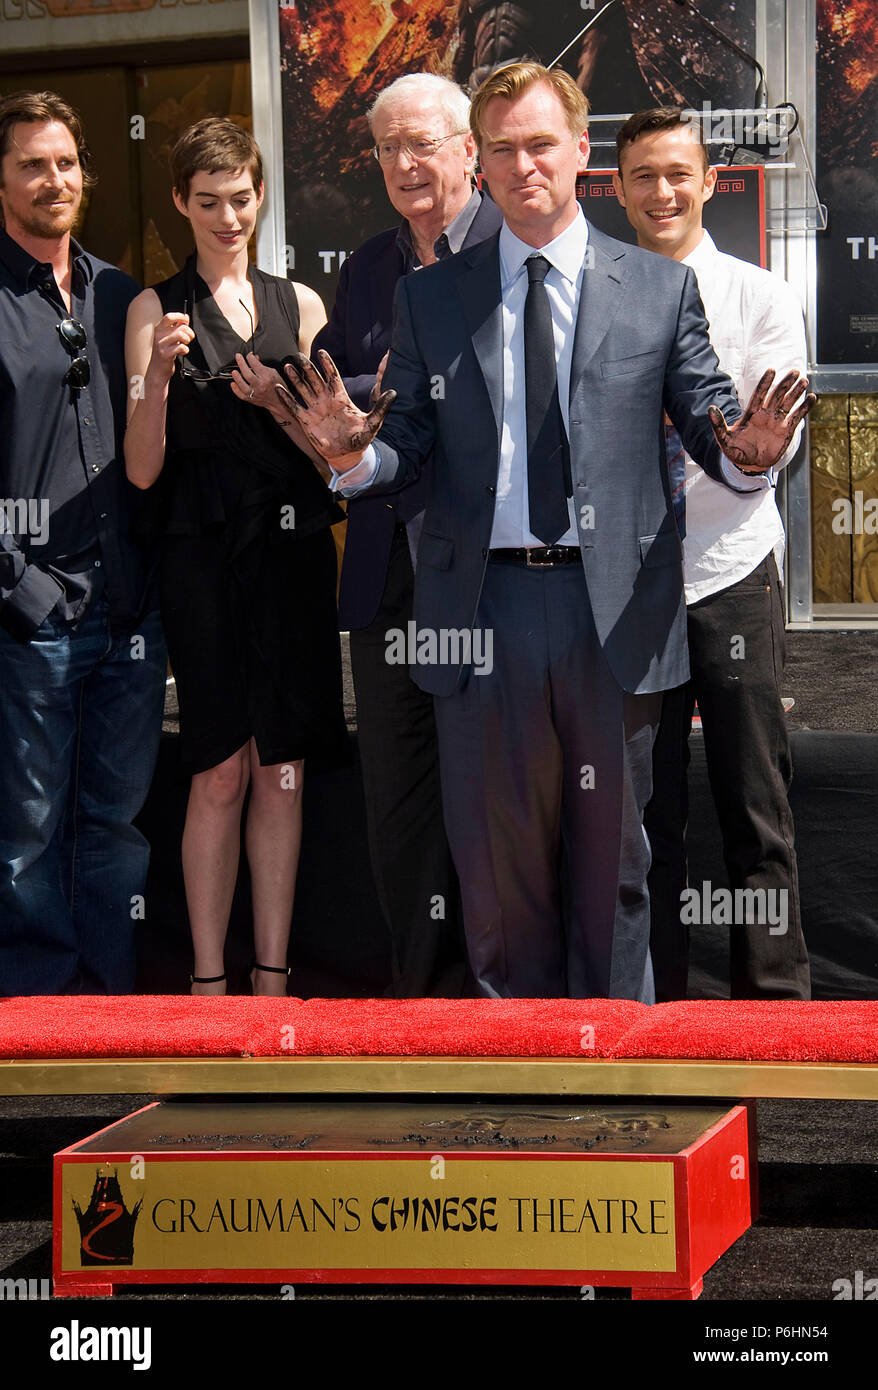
column 435, row 1076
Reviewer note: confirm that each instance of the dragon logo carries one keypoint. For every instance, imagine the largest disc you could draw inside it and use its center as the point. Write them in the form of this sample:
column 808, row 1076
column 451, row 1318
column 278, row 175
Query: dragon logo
column 106, row 1227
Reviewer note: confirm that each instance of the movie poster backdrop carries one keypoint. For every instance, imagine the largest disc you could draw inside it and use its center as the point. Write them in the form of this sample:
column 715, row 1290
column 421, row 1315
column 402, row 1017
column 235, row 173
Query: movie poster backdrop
column 847, row 180
column 337, row 55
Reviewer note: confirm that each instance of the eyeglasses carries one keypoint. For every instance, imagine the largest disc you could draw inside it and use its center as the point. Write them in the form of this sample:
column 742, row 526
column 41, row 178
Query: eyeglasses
column 74, row 338
column 225, row 373
column 421, row 150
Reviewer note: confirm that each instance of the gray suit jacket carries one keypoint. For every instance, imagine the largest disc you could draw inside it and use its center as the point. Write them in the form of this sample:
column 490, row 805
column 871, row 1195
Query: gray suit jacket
column 641, row 348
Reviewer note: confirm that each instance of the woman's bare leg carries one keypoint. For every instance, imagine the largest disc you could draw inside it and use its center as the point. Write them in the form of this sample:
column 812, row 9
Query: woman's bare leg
column 273, row 839
column 211, row 844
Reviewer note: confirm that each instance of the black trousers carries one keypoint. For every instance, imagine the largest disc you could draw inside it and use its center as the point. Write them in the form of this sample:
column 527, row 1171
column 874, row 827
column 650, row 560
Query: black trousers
column 736, row 651
column 411, row 863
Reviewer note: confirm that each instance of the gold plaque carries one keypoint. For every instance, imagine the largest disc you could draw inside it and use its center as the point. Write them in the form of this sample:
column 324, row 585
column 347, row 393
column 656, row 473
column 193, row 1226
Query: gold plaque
column 375, row 1191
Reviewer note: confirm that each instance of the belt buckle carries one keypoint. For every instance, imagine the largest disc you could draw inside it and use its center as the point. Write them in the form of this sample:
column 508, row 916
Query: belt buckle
column 539, row 564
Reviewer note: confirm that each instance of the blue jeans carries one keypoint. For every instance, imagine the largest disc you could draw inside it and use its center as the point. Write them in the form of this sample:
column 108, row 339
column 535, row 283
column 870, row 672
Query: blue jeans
column 80, row 722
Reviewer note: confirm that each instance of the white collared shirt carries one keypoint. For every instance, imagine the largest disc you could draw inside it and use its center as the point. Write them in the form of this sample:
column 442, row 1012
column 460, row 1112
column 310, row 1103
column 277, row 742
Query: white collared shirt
column 755, row 321
column 566, row 257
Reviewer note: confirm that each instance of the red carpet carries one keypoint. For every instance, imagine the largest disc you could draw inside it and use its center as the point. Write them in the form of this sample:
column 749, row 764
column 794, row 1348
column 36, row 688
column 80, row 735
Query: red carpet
column 236, row 1026
column 180, row 1026
column 162, row 1025
column 782, row 1030
column 464, row 1027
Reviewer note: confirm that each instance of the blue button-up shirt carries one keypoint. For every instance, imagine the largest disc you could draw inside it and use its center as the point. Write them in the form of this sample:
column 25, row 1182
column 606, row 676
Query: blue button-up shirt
column 65, row 504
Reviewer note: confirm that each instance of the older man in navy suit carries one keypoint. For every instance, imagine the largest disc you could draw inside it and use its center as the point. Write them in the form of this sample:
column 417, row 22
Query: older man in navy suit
column 420, row 124
column 537, row 368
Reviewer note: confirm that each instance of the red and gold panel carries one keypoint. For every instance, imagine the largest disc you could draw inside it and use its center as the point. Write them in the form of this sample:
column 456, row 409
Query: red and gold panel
column 366, row 1192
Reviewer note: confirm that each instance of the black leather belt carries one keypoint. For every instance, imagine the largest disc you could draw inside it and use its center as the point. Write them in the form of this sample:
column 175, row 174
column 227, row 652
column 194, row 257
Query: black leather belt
column 537, row 556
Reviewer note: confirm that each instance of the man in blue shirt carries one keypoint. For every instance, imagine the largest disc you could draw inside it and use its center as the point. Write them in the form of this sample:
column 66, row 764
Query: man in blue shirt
column 81, row 649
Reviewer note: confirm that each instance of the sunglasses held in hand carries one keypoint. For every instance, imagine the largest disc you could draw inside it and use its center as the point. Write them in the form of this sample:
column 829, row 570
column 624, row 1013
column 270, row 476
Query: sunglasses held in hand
column 190, row 373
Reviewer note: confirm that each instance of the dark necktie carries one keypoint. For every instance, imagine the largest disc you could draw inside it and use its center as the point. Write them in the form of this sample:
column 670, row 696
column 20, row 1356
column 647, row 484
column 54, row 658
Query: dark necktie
column 548, row 467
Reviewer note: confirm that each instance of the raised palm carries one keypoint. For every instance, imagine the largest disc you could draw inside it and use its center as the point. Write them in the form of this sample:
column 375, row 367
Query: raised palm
column 334, row 426
column 756, row 441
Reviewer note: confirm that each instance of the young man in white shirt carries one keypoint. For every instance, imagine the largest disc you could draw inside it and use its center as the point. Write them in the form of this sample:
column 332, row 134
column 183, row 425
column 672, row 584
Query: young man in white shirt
column 733, row 548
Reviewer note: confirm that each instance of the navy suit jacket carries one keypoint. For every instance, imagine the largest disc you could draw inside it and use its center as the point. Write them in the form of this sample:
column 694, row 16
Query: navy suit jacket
column 641, row 348
column 356, row 338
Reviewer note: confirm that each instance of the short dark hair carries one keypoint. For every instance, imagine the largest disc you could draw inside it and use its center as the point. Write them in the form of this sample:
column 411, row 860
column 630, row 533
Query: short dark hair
column 211, row 146
column 31, row 108
column 659, row 118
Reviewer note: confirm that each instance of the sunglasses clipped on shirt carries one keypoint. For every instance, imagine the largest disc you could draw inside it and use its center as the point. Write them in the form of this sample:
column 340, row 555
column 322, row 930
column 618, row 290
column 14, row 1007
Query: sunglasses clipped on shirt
column 74, row 338
column 188, row 372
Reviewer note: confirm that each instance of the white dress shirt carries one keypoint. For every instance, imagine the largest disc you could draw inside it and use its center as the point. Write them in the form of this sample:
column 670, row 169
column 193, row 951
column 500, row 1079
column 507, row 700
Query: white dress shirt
column 566, row 257
column 755, row 321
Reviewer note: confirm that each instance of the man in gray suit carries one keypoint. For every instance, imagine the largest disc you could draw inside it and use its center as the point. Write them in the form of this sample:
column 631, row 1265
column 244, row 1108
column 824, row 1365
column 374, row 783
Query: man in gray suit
column 549, row 611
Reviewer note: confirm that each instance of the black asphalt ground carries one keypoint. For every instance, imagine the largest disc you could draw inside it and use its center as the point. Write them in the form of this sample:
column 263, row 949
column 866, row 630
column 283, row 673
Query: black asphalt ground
column 833, row 678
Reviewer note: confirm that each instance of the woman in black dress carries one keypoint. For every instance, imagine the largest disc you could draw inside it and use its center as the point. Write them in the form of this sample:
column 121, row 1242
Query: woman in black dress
column 248, row 564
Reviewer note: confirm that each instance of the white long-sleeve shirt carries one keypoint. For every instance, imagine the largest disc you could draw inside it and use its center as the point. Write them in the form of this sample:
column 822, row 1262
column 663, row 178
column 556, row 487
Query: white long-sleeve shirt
column 755, row 322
